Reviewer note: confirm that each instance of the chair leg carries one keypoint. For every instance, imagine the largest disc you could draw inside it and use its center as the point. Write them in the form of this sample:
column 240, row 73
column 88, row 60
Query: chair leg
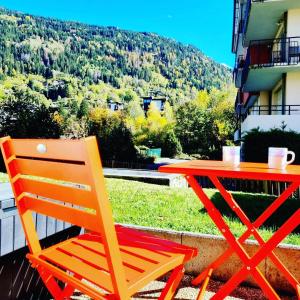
column 172, row 284
column 202, row 290
column 68, row 290
column 50, row 283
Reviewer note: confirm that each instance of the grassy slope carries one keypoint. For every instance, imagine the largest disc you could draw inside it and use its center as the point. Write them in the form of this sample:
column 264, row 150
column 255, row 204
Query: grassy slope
column 179, row 209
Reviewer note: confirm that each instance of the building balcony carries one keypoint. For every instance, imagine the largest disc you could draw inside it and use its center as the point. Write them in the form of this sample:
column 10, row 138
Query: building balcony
column 268, row 117
column 267, row 60
column 267, row 122
column 263, row 17
column 260, row 110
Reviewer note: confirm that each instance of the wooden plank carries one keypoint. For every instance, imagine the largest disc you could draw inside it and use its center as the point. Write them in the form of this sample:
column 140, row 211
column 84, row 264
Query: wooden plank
column 50, row 227
column 52, row 170
column 61, row 149
column 64, row 193
column 6, row 238
column 97, row 260
column 41, row 226
column 130, row 249
column 98, row 277
column 129, row 259
column 61, row 212
column 152, row 239
column 61, row 275
column 19, row 237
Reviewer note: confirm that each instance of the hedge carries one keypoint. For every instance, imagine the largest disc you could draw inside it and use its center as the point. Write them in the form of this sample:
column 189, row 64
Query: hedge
column 257, row 142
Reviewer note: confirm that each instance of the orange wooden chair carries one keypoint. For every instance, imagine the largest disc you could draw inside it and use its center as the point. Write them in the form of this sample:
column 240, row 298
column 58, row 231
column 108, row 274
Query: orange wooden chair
column 63, row 179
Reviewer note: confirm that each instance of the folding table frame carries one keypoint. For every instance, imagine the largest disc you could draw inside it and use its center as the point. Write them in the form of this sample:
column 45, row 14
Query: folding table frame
column 215, row 170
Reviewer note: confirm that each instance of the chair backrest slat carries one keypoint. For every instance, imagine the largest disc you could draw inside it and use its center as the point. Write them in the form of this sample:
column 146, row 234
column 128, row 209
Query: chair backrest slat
column 64, row 193
column 63, row 171
column 72, row 150
column 71, row 215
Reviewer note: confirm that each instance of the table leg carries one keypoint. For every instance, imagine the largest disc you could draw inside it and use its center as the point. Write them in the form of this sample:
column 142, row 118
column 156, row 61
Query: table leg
column 264, row 251
column 251, row 229
column 236, row 246
column 223, row 227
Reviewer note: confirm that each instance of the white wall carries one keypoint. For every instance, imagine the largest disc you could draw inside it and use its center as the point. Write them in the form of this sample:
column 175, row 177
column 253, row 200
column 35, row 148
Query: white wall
column 271, row 121
column 293, row 23
column 263, row 98
column 293, row 88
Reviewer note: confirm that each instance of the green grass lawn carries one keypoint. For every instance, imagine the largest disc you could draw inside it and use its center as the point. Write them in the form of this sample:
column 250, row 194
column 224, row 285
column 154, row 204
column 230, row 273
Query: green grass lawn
column 3, row 177
column 179, row 209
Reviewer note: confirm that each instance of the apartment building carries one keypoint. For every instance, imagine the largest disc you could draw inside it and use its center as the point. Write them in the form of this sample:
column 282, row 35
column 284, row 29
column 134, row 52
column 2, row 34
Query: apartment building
column 266, row 41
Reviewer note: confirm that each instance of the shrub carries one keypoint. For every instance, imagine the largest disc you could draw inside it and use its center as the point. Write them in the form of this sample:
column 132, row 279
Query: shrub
column 169, row 144
column 114, row 138
column 23, row 118
column 257, row 142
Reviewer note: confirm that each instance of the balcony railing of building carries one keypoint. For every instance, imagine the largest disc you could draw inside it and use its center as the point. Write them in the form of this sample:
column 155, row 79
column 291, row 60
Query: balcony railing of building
column 272, row 52
column 273, row 110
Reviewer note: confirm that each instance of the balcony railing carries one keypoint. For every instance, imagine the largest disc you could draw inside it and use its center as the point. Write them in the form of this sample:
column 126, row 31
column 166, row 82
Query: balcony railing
column 272, row 52
column 275, row 110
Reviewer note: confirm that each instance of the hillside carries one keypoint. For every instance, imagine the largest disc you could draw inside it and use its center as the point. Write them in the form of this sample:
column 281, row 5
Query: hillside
column 106, row 55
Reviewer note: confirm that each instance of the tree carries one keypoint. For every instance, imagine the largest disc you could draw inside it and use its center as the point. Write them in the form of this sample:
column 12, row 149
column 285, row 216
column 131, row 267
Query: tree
column 169, row 144
column 168, row 113
column 195, row 129
column 83, row 110
column 21, row 117
column 114, row 138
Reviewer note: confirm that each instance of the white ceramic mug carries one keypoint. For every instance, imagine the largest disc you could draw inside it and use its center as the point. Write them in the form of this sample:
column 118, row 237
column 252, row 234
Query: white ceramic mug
column 231, row 155
column 277, row 158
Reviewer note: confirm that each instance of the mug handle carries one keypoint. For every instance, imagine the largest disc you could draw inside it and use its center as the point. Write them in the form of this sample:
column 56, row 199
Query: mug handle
column 293, row 157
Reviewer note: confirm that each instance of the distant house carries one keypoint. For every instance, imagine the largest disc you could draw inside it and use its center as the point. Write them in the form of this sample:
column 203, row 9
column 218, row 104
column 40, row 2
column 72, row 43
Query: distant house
column 158, row 101
column 115, row 106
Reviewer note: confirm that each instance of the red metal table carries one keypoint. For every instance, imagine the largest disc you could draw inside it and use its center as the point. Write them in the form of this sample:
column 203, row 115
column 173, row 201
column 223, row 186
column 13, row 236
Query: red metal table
column 253, row 171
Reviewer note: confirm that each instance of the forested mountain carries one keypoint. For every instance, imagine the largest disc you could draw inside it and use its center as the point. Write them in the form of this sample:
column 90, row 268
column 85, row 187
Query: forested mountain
column 107, row 55
column 57, row 79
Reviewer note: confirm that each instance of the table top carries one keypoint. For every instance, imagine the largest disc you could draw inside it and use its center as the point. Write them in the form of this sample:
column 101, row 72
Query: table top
column 258, row 171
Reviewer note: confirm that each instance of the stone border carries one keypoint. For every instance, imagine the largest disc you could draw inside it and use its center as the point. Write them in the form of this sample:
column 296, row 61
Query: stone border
column 211, row 246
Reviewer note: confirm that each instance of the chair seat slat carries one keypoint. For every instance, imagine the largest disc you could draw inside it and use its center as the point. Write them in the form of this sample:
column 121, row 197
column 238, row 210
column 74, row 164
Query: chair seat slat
column 141, row 253
column 61, row 274
column 72, row 264
column 129, row 258
column 96, row 260
column 159, row 244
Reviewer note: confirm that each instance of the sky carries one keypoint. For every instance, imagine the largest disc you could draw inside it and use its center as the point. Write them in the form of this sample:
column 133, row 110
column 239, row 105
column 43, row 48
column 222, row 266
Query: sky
column 206, row 24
